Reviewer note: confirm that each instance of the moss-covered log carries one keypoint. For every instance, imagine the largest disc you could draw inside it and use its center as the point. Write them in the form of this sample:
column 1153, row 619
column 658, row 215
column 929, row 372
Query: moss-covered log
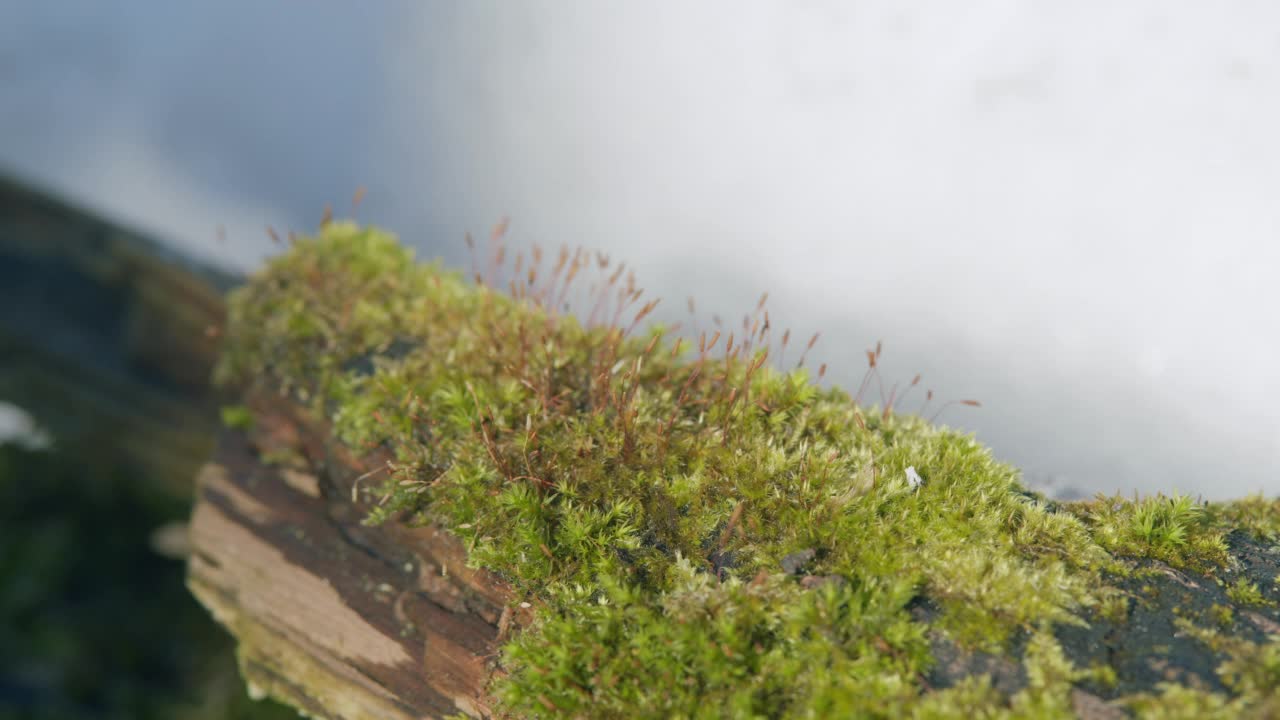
column 664, row 528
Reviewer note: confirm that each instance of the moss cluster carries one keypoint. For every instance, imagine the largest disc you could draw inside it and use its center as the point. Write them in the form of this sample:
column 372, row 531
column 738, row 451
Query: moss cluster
column 702, row 534
column 1255, row 514
column 1175, row 530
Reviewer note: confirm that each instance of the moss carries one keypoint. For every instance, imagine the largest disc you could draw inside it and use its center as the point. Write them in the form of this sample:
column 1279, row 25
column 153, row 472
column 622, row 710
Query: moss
column 237, row 417
column 645, row 489
column 1223, row 615
column 1246, row 593
column 1257, row 515
column 1251, row 671
column 1176, row 702
column 1176, row 530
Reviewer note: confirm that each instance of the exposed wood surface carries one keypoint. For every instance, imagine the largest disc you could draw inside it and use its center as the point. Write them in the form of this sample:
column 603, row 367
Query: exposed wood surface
column 335, row 618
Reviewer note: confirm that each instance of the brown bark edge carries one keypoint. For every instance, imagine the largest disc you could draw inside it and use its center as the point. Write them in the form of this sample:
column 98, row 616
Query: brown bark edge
column 337, row 619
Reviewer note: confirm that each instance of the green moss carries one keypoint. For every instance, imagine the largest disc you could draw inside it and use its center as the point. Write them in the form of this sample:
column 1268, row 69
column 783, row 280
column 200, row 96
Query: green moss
column 750, row 645
column 237, row 417
column 1255, row 515
column 1175, row 530
column 1251, row 671
column 1247, row 593
column 645, row 489
column 1223, row 615
column 1176, row 702
column 1050, row 678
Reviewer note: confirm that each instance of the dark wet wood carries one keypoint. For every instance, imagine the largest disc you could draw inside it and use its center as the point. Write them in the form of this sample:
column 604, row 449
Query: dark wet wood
column 104, row 338
column 336, row 618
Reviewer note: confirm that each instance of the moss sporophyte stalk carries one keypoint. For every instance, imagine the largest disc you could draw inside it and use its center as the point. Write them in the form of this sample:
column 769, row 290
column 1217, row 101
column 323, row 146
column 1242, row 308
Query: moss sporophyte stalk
column 701, row 533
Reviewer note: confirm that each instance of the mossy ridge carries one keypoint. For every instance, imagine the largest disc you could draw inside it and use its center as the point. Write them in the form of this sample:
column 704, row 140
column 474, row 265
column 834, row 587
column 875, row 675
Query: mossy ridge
column 644, row 491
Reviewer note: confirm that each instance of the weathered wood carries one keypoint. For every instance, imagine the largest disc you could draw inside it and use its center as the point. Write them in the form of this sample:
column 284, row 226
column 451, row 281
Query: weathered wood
column 335, row 618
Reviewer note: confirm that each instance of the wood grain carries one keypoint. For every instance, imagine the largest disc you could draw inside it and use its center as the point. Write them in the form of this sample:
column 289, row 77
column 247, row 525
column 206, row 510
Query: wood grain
column 335, row 618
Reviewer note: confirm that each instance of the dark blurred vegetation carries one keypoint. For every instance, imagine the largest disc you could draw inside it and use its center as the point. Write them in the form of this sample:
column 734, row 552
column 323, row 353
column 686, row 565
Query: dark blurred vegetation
column 93, row 622
column 104, row 341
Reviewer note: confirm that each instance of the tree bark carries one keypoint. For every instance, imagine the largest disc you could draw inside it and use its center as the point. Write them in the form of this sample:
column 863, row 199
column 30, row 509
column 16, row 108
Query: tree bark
column 335, row 618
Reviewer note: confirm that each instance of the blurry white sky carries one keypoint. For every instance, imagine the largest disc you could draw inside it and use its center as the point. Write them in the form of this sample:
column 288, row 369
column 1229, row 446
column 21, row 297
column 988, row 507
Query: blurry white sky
column 1065, row 210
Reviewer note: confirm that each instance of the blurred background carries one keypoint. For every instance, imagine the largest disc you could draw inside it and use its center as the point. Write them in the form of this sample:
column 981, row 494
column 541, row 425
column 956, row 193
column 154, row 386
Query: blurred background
column 1065, row 211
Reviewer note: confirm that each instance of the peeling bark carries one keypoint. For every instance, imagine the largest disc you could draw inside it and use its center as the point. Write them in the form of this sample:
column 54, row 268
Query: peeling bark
column 335, row 618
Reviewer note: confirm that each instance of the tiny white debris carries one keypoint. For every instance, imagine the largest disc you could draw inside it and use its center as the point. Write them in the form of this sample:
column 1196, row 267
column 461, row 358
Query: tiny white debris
column 913, row 478
column 525, row 605
column 18, row 427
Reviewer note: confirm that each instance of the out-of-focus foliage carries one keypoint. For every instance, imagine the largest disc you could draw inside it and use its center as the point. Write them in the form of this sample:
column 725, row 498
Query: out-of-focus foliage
column 93, row 623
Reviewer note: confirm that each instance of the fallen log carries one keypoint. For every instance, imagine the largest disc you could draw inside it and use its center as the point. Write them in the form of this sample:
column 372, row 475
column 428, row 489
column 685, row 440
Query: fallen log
column 443, row 501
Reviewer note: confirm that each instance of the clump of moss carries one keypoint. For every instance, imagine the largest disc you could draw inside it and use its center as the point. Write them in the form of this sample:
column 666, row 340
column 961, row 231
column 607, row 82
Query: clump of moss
column 1256, row 515
column 702, row 531
column 1223, row 615
column 1247, row 593
column 236, row 417
column 1175, row 530
column 1178, row 702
